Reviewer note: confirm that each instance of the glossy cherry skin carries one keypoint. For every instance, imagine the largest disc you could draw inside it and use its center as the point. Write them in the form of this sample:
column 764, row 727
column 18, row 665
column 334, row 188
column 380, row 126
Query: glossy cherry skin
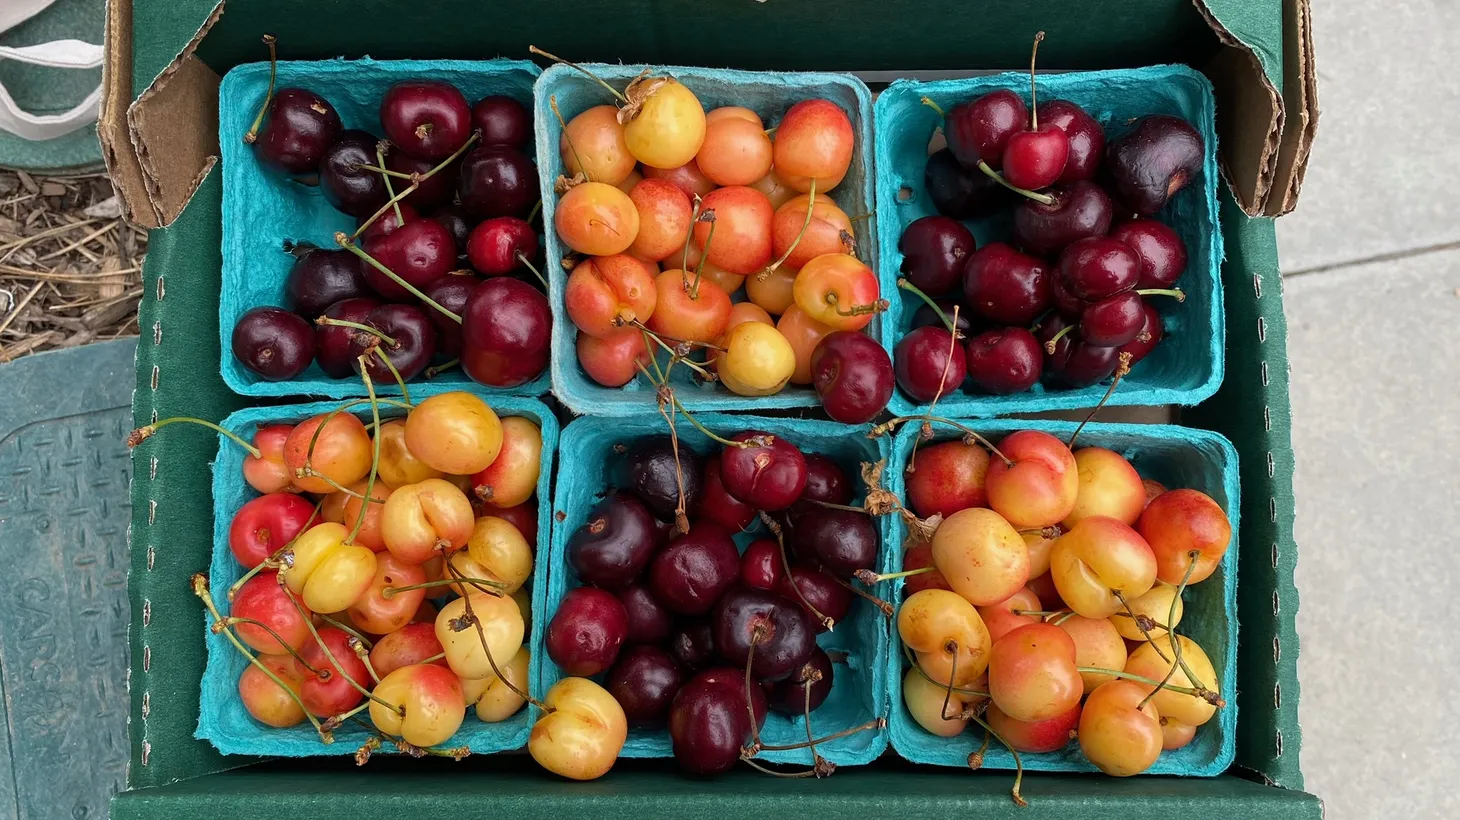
column 788, row 696
column 1150, row 334
column 1113, row 321
column 273, row 343
column 451, row 292
column 264, row 525
column 502, row 121
column 825, row 481
column 934, row 251
column 925, row 317
column 820, row 590
column 1076, row 364
column 926, row 359
column 768, row 475
column 1066, row 303
column 692, row 643
column 332, row 345
column 690, row 574
column 649, row 621
column 507, row 327
column 709, row 722
column 980, row 129
column 614, row 545
column 296, row 132
column 346, row 185
column 1099, row 267
column 497, row 181
column 586, row 632
column 1148, row 164
column 1005, row 361
column 419, row 252
column 1085, row 137
column 497, row 246
column 1006, row 286
column 942, row 479
column 387, row 222
column 778, row 627
column 644, row 682
column 839, row 541
column 459, row 222
column 432, row 190
column 319, row 278
column 655, row 478
column 718, row 505
column 1079, row 210
column 852, row 375
column 1034, row 159
column 962, row 193
column 760, row 564
column 425, row 118
column 415, row 342
column 1160, row 249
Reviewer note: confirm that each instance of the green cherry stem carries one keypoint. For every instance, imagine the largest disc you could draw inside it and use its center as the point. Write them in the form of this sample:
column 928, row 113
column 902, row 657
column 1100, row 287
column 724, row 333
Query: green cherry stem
column 928, row 101
column 580, row 69
column 253, row 131
column 389, row 187
column 1018, row 764
column 347, row 629
column 390, row 592
column 916, row 291
column 147, row 431
column 326, row 321
column 1176, row 293
column 405, row 392
column 375, row 441
column 348, row 244
column 1043, row 199
column 329, row 654
column 806, row 223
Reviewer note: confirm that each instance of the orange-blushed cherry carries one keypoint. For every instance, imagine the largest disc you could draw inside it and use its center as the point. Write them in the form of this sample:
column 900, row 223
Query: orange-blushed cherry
column 262, row 599
column 981, row 555
column 1187, row 708
column 1117, row 733
column 814, row 140
column 413, row 643
column 1175, row 734
column 421, row 519
column 1032, row 673
column 431, row 698
column 927, row 701
column 775, row 293
column 269, row 473
column 1153, row 489
column 512, row 477
column 496, row 626
column 266, row 701
column 497, row 548
column 694, row 260
column 499, row 701
column 742, row 225
column 456, row 433
column 597, row 219
column 596, row 138
column 947, row 477
column 687, row 177
column 377, row 614
column 398, row 465
column 733, row 112
column 736, row 151
column 757, row 361
column 1097, row 563
column 368, row 535
column 666, row 122
column 948, row 638
column 341, row 453
column 582, row 733
column 687, row 311
column 1109, row 485
column 1038, row 483
column 1097, row 645
column 332, row 693
column 328, row 574
column 1004, row 617
column 633, row 179
column 1038, row 736
column 613, row 360
column 1180, row 521
column 1155, row 605
column 804, row 334
column 775, row 189
column 607, row 293
column 1040, row 544
column 838, row 290
column 664, row 217
column 828, row 231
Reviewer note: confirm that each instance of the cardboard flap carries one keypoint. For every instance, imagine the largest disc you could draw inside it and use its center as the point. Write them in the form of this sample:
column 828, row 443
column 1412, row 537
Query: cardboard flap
column 1300, row 99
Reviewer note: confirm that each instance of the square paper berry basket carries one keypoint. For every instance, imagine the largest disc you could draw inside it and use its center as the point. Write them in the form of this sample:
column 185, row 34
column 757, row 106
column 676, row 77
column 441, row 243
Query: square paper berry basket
column 262, row 209
column 769, row 95
column 1178, row 457
column 594, row 447
column 223, row 720
column 1186, row 367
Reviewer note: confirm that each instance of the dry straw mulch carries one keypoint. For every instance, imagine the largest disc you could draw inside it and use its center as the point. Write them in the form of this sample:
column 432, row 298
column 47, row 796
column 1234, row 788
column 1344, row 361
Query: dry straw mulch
column 70, row 267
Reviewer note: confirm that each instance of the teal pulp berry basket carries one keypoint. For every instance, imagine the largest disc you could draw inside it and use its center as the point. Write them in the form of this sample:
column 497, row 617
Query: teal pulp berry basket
column 262, row 209
column 1178, row 457
column 222, row 719
column 1186, row 367
column 594, row 449
column 769, row 95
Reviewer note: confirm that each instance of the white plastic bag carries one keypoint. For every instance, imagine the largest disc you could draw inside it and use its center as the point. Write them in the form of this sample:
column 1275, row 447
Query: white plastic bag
column 72, row 54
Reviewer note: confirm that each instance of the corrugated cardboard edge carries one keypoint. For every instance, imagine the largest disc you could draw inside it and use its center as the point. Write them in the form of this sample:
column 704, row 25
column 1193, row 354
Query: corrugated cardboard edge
column 1300, row 99
column 111, row 125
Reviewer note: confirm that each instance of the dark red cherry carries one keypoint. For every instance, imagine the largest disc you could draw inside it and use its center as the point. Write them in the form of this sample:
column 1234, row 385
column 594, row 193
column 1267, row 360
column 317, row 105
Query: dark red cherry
column 426, row 118
column 839, row 541
column 345, row 182
column 1150, row 334
column 498, row 246
column 769, row 474
column 507, row 327
column 852, row 375
column 414, row 342
column 820, row 590
column 649, row 621
column 1086, row 365
column 502, row 121
column 388, row 221
column 614, row 545
column 1068, row 304
column 1086, row 138
column 710, row 720
column 657, row 471
column 962, row 193
column 1098, row 267
column 760, row 564
column 1005, row 361
column 690, row 574
column 332, row 344
column 1151, row 162
column 419, row 252
column 587, row 631
column 925, row 316
column 431, row 191
column 497, row 181
column 718, row 505
column 451, row 292
column 460, row 223
column 1079, row 210
column 778, row 627
column 928, row 363
column 1006, row 286
column 296, row 132
column 1160, row 249
column 319, row 278
column 1034, row 159
column 692, row 643
column 934, row 249
column 788, row 696
column 273, row 343
column 1114, row 320
column 980, row 129
column 826, row 481
column 644, row 682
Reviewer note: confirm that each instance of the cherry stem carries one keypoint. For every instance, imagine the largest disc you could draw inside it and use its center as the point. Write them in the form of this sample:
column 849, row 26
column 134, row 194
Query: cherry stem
column 928, row 101
column 875, row 723
column 689, row 236
column 810, row 675
column 364, row 328
column 482, row 636
column 328, row 653
column 375, row 442
column 707, row 216
column 975, row 760
column 1141, row 625
column 1176, row 293
column 384, row 357
column 952, row 648
column 361, row 652
column 1151, row 623
column 916, row 291
column 912, row 661
column 1205, row 694
column 1018, row 764
column 1065, row 616
column 1033, row 101
column 681, row 515
column 253, row 131
column 1120, row 372
column 389, row 187
column 860, row 217
column 436, row 370
column 527, row 263
column 664, row 336
column 832, row 506
column 390, row 592
column 537, row 208
column 1050, row 345
column 855, row 310
column 755, row 637
column 335, row 722
column 349, row 245
column 1038, row 613
column 585, row 72
column 1171, row 635
column 234, row 620
column 806, row 223
column 1043, row 199
column 773, row 773
column 882, row 605
column 582, row 169
column 942, row 379
column 786, row 568
column 416, row 180
column 347, row 629
column 654, row 337
column 867, row 576
column 365, row 166
column 884, row 427
column 145, row 432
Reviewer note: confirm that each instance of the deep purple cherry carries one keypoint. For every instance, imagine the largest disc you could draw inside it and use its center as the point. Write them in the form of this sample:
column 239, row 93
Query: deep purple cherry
column 273, row 343
column 934, row 250
column 299, row 126
column 1077, row 211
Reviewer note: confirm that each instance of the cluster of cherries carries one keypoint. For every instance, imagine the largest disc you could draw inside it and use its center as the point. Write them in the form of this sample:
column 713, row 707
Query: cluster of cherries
column 690, row 632
column 435, row 266
column 671, row 210
column 1043, row 600
column 1064, row 299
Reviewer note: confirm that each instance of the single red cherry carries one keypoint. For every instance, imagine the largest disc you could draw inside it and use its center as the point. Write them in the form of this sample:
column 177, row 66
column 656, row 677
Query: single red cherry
column 1035, row 157
column 332, row 343
column 412, row 346
column 1098, row 267
column 426, row 118
column 1160, row 249
column 1086, row 138
column 778, row 628
column 1114, row 320
column 718, row 505
column 497, row 181
column 1078, row 210
column 298, row 128
column 388, row 222
column 345, row 182
column 934, row 250
column 1005, row 361
column 587, row 631
column 852, row 375
column 451, row 292
column 1084, row 365
column 419, row 252
column 826, row 481
column 769, row 474
column 760, row 564
column 1006, row 286
column 928, row 363
column 273, row 343
column 319, row 278
column 502, row 121
column 500, row 245
column 789, row 696
column 507, row 327
column 644, row 682
column 980, row 129
column 710, row 720
column 614, row 545
column 690, row 574
column 1147, row 337
column 265, row 525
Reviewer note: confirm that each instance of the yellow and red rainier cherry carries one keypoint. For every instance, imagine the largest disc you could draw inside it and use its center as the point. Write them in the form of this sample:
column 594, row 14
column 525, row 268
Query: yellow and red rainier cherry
column 736, row 149
column 797, row 240
column 1006, row 616
column 1097, row 563
column 265, row 700
column 419, row 520
column 1178, row 522
column 757, row 361
column 1187, row 708
column 925, row 701
column 689, row 311
column 1109, row 486
column 338, row 455
column 946, row 635
column 981, row 556
column 604, row 294
column 664, row 217
column 837, row 290
column 1097, row 645
column 398, row 465
column 814, row 140
column 430, row 700
column 379, row 612
column 742, row 224
column 804, row 334
column 1117, row 733
column 328, row 574
column 1039, row 487
column 1155, row 605
column 497, row 548
column 456, row 433
column 495, row 626
column 582, row 733
column 512, row 477
column 1032, row 673
column 597, row 139
column 498, row 701
column 664, row 123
